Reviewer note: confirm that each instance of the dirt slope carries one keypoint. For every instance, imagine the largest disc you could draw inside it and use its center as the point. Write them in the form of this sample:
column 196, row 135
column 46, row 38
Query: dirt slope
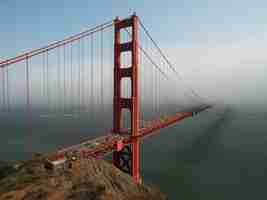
column 89, row 179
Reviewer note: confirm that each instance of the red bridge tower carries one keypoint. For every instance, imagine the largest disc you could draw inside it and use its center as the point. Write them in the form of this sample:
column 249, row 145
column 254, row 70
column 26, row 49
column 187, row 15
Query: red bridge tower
column 128, row 158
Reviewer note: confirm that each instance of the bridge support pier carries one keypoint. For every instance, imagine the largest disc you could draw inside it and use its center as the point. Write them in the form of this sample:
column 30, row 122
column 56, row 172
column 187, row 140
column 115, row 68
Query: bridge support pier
column 123, row 159
column 132, row 162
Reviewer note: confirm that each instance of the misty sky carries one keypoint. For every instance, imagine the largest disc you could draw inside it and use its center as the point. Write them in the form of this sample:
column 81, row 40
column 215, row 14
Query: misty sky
column 219, row 47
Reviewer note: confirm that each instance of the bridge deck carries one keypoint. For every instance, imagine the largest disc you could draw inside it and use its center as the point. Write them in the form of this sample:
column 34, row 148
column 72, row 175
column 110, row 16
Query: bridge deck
column 101, row 146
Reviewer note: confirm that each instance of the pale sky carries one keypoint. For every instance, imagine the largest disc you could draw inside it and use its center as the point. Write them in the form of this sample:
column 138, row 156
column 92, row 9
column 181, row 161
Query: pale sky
column 219, row 47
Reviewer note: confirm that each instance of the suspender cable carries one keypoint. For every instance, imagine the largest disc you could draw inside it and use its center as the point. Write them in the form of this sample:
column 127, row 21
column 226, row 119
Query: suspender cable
column 82, row 75
column 152, row 89
column 4, row 89
column 102, row 71
column 111, row 64
column 47, row 83
column 79, row 74
column 43, row 77
column 64, row 79
column 88, row 74
column 7, row 88
column 27, row 87
column 156, row 94
column 159, row 106
column 28, row 110
column 154, row 85
column 156, row 77
column 98, row 77
column 141, row 88
column 110, row 81
column 58, row 80
column 92, row 75
column 71, row 86
column 160, row 83
column 145, row 81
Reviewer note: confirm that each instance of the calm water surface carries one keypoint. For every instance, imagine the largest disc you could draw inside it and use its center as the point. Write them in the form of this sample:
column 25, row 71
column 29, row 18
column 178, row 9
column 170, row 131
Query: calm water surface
column 219, row 154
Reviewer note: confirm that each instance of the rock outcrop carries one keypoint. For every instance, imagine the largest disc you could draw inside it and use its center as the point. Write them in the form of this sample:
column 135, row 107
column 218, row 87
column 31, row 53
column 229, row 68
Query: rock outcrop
column 89, row 179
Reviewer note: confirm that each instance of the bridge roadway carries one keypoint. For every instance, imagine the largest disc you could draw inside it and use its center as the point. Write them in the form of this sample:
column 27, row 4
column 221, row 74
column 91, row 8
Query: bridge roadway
column 103, row 145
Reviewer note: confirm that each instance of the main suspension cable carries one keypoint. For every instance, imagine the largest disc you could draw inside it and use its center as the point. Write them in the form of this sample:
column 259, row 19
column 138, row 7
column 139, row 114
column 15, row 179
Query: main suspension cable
column 56, row 44
column 149, row 58
column 168, row 62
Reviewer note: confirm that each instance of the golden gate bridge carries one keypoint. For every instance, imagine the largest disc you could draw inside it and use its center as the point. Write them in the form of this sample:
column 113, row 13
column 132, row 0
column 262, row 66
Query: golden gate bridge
column 114, row 71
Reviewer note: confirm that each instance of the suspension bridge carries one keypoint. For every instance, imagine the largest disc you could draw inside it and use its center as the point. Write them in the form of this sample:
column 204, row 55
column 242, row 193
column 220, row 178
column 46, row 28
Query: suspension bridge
column 117, row 74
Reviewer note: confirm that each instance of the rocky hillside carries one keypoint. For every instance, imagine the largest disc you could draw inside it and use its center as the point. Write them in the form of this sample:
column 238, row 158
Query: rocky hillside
column 89, row 179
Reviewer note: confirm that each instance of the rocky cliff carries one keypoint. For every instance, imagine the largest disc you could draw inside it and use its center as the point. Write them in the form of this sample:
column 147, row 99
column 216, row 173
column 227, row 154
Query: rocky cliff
column 88, row 179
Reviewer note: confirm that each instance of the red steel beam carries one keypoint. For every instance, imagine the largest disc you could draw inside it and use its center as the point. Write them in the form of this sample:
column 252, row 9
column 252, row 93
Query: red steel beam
column 153, row 126
column 162, row 123
column 108, row 143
